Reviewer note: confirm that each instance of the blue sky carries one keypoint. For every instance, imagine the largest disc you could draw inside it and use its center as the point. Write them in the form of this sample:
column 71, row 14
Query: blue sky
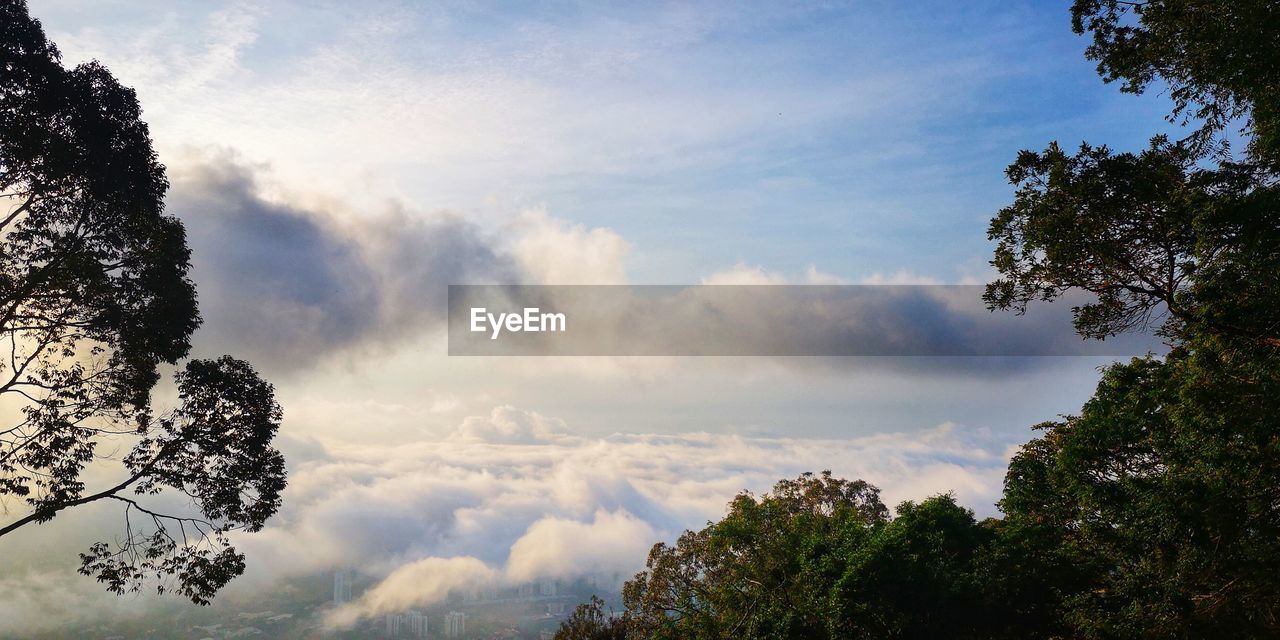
column 861, row 137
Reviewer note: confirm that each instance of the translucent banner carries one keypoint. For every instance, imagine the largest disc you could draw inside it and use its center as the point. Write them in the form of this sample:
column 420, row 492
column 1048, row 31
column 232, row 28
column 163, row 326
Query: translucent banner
column 763, row 320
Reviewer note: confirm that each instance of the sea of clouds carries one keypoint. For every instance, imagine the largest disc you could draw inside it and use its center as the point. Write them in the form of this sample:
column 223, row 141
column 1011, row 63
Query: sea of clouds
column 515, row 496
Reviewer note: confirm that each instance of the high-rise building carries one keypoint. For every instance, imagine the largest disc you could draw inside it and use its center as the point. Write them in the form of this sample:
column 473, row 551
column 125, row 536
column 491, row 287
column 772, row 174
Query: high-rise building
column 341, row 586
column 455, row 624
column 410, row 624
column 395, row 624
column 416, row 624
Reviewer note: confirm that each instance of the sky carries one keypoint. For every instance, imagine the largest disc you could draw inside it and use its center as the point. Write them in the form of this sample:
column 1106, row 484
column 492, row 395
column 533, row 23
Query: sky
column 337, row 165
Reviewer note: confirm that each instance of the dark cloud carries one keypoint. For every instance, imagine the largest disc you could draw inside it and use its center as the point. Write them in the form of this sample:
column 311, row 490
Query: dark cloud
column 286, row 286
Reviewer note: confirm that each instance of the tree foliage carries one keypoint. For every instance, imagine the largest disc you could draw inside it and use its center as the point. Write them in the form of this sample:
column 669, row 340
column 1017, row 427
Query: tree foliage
column 94, row 299
column 1217, row 59
column 590, row 621
column 752, row 574
column 1162, row 494
column 1155, row 238
column 1155, row 512
column 1165, row 230
column 819, row 557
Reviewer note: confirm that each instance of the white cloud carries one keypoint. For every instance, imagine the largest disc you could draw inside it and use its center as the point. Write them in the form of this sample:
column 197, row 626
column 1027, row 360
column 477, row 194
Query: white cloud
column 556, row 547
column 813, row 276
column 46, row 602
column 400, row 102
column 515, row 496
column 901, row 276
column 418, row 583
column 510, row 426
column 296, row 279
column 554, row 251
column 552, row 547
column 744, row 274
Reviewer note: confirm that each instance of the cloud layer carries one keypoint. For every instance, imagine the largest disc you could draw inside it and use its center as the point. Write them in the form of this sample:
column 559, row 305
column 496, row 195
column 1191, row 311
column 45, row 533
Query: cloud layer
column 504, row 498
column 513, row 496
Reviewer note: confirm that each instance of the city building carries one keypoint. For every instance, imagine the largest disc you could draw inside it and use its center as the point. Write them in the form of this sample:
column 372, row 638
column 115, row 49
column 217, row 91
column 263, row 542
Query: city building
column 342, row 586
column 410, row 624
column 455, row 624
column 416, row 624
column 395, row 624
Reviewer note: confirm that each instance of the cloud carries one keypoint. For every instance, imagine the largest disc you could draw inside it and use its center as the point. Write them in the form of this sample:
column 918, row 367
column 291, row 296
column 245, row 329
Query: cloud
column 409, row 99
column 553, row 251
column 52, row 602
column 510, row 426
column 551, row 548
column 744, row 274
column 563, row 548
column 478, row 507
column 900, row 277
column 291, row 284
column 760, row 319
column 418, row 583
column 514, row 496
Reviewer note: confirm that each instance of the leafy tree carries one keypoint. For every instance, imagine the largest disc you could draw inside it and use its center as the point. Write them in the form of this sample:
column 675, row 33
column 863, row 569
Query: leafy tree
column 590, row 621
column 917, row 576
column 761, row 572
column 1139, row 230
column 1156, row 239
column 1156, row 511
column 819, row 557
column 1218, row 59
column 1162, row 496
column 94, row 300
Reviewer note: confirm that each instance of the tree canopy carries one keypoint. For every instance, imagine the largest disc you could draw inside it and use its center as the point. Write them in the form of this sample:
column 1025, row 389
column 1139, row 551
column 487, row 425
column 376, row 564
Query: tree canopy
column 819, row 557
column 1156, row 510
column 1216, row 57
column 94, row 299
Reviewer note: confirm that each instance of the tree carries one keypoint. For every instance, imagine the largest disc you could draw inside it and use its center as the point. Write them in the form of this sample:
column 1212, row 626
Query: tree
column 1155, row 239
column 94, row 299
column 762, row 571
column 918, row 576
column 590, row 621
column 1218, row 59
column 1156, row 511
column 1160, row 497
column 820, row 557
column 1139, row 229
